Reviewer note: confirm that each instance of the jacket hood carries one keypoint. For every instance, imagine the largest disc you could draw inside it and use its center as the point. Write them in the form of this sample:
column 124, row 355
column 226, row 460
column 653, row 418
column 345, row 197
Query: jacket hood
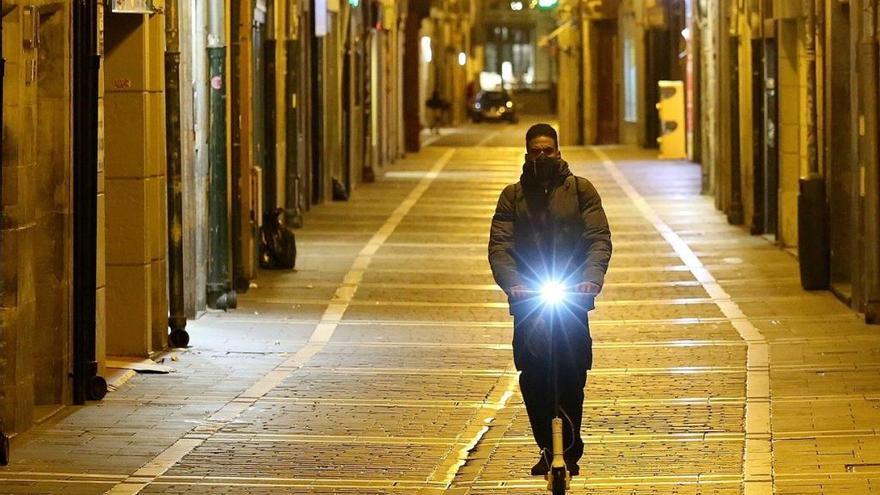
column 528, row 178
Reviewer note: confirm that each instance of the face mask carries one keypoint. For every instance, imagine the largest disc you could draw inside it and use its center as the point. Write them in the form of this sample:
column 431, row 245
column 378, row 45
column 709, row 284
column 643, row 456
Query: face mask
column 545, row 167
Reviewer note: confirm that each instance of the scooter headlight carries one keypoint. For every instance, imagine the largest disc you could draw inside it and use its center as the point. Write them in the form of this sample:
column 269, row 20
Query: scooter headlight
column 552, row 293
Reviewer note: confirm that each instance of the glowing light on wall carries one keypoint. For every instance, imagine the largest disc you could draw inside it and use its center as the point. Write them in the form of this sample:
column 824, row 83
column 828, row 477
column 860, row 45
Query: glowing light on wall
column 507, row 71
column 462, row 58
column 516, row 5
column 427, row 54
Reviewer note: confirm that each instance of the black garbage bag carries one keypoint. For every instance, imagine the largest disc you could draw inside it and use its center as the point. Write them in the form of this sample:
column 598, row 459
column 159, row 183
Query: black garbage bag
column 277, row 242
column 340, row 192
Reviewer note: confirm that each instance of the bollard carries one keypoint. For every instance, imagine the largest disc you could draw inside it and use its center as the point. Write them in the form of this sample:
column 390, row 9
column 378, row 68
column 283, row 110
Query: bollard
column 670, row 108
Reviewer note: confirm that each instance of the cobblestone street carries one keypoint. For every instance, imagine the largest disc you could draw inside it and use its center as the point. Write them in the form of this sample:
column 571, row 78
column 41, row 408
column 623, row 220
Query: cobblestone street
column 383, row 364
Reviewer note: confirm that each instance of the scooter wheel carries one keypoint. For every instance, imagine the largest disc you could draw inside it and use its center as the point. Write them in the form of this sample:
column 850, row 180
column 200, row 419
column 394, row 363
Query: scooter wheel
column 559, row 482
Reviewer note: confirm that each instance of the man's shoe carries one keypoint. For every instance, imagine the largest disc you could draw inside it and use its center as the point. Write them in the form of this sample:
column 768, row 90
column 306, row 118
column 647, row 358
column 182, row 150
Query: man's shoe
column 572, row 466
column 542, row 467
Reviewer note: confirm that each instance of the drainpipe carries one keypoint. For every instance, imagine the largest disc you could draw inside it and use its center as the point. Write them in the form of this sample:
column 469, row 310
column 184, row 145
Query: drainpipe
column 177, row 316
column 87, row 384
column 220, row 293
column 4, row 439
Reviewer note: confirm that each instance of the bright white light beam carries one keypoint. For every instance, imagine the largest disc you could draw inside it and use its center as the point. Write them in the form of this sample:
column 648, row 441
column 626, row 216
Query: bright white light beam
column 553, row 293
column 427, row 53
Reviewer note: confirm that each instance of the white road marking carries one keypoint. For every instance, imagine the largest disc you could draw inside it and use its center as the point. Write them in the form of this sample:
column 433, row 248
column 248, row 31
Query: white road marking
column 485, row 140
column 757, row 455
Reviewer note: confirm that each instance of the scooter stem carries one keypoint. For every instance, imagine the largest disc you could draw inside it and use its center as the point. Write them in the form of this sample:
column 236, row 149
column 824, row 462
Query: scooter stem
column 558, row 460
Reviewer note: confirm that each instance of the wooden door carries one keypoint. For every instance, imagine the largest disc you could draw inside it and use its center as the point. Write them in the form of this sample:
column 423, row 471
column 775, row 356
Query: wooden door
column 607, row 95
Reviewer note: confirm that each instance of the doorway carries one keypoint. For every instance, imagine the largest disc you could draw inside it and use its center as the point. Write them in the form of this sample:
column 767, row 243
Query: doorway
column 735, row 209
column 657, row 50
column 770, row 157
column 352, row 105
column 841, row 167
column 270, row 115
column 316, row 115
column 758, row 136
column 607, row 94
column 262, row 183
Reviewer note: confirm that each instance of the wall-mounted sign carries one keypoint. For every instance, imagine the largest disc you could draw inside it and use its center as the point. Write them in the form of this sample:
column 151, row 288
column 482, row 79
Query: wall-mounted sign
column 132, row 6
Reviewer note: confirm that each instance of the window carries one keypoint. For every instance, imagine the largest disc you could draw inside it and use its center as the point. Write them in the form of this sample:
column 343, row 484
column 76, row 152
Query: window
column 509, row 52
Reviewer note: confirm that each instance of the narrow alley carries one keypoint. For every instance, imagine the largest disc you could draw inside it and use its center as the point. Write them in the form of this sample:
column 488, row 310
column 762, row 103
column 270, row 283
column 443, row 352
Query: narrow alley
column 383, row 363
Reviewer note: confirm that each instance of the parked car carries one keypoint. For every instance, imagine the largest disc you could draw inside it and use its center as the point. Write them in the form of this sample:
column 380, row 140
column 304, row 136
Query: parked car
column 493, row 105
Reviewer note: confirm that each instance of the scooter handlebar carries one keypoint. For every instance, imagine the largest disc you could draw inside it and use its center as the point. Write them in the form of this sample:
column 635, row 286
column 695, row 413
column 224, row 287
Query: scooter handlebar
column 535, row 298
column 528, row 294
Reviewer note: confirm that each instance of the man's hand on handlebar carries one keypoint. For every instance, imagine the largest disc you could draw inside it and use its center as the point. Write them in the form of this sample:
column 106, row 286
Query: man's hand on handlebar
column 587, row 288
column 518, row 292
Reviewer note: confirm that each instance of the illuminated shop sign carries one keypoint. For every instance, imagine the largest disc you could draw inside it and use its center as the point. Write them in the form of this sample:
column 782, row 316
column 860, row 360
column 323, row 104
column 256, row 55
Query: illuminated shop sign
column 133, row 6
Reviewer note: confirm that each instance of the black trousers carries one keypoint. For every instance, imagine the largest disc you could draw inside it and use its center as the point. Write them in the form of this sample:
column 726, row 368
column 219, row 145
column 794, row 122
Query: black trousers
column 567, row 335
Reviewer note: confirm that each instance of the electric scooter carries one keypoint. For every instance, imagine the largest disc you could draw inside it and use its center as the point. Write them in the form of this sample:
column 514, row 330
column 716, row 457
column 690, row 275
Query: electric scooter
column 552, row 298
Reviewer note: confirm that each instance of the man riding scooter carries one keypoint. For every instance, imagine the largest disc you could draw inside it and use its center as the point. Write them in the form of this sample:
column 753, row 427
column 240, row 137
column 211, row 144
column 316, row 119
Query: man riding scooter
column 549, row 249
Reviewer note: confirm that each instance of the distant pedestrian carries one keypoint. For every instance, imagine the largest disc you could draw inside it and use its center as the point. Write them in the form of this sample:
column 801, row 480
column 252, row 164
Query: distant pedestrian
column 470, row 92
column 438, row 108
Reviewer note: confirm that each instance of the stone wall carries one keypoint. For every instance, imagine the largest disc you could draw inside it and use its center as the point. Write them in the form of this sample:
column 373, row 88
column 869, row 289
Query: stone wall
column 134, row 169
column 35, row 223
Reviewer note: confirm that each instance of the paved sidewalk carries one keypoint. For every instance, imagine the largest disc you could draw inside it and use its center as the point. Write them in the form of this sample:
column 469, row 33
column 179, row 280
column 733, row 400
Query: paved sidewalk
column 383, row 364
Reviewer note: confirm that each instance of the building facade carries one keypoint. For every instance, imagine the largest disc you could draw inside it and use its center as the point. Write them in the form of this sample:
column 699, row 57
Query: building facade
column 780, row 110
column 800, row 81
column 144, row 145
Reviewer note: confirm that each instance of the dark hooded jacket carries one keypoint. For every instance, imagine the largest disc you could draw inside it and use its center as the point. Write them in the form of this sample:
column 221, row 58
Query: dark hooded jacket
column 549, row 231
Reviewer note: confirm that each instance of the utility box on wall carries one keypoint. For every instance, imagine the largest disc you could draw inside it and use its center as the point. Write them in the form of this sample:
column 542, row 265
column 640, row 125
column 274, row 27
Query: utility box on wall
column 672, row 140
